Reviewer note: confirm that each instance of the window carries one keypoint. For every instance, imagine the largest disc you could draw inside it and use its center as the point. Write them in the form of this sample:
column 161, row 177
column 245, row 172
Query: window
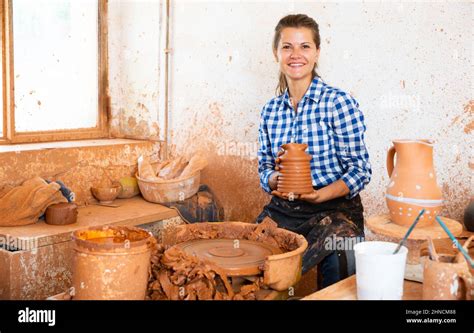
column 54, row 53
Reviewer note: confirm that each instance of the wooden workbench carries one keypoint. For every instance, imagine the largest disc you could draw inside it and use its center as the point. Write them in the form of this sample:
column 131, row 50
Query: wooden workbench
column 130, row 212
column 40, row 263
column 347, row 290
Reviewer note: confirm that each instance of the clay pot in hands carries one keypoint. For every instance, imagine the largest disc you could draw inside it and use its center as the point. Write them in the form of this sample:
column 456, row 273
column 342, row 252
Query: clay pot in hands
column 412, row 184
column 295, row 169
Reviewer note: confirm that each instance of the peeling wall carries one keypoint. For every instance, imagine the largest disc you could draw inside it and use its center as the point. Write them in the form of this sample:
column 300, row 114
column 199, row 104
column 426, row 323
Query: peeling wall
column 134, row 69
column 408, row 65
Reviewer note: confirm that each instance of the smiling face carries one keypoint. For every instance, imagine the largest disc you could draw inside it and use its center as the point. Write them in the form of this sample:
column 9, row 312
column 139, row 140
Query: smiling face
column 297, row 53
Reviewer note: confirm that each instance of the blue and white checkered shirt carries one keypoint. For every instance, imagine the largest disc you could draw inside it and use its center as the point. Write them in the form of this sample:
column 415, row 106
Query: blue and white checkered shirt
column 330, row 122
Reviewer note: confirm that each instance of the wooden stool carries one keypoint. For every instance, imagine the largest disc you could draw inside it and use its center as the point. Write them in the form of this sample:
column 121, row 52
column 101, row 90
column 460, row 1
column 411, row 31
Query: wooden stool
column 381, row 228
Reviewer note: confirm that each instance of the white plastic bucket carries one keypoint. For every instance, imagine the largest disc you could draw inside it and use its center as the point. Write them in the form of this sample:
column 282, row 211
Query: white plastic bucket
column 379, row 272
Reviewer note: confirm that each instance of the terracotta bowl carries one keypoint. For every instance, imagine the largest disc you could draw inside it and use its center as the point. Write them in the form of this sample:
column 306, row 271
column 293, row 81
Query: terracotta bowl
column 106, row 195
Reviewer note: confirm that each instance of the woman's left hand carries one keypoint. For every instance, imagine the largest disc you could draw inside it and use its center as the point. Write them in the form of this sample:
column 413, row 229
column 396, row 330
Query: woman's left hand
column 332, row 191
column 313, row 197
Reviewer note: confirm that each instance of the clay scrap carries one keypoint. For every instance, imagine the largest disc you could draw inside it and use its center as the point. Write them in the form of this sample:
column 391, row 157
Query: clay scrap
column 179, row 275
column 176, row 168
column 176, row 275
column 24, row 204
column 266, row 232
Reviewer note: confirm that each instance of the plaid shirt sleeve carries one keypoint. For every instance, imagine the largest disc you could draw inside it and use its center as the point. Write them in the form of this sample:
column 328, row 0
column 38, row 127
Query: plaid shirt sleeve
column 266, row 161
column 348, row 125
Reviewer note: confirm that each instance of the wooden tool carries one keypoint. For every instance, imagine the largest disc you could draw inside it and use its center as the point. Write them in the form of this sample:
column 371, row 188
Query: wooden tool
column 433, row 254
column 455, row 241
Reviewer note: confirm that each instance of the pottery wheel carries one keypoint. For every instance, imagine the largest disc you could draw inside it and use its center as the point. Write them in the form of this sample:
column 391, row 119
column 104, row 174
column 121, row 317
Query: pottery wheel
column 235, row 257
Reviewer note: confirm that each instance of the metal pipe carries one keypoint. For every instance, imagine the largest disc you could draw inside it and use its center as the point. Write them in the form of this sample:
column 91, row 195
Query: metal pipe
column 167, row 51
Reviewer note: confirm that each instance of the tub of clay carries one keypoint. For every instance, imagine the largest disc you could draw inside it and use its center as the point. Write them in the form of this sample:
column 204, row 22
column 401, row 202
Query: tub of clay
column 111, row 263
column 283, row 271
column 280, row 271
column 172, row 190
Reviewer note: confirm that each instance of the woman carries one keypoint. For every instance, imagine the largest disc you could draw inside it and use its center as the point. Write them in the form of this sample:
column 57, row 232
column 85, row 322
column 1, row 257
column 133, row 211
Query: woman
column 328, row 120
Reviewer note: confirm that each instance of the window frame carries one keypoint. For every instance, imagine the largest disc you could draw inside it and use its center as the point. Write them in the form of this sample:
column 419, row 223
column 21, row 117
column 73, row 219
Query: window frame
column 10, row 135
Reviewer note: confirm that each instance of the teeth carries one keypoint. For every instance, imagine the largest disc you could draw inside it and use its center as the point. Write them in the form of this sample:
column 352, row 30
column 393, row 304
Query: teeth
column 296, row 65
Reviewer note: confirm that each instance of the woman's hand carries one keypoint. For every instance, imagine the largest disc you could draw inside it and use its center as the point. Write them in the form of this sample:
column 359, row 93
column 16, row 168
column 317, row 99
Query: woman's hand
column 277, row 160
column 313, row 197
column 273, row 180
column 332, row 191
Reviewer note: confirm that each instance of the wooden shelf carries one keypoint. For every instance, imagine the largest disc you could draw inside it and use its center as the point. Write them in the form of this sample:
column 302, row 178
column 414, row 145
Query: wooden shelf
column 130, row 212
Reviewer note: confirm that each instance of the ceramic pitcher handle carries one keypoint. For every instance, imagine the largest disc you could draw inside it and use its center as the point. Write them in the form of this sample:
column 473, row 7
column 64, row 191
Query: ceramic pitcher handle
column 390, row 155
column 467, row 279
column 467, row 243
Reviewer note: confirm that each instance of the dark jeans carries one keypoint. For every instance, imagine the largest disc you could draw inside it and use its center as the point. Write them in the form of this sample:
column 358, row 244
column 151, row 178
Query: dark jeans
column 320, row 224
column 335, row 267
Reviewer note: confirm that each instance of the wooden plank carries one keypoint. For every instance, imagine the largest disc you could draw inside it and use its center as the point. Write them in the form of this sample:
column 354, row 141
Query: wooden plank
column 130, row 212
column 382, row 225
column 347, row 290
column 40, row 274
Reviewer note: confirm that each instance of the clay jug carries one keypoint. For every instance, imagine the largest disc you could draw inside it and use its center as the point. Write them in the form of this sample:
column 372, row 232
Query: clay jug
column 448, row 278
column 412, row 185
column 295, row 169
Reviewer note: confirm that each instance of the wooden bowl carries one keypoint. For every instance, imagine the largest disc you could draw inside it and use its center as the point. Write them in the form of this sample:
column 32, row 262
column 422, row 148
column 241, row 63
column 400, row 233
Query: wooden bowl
column 106, row 195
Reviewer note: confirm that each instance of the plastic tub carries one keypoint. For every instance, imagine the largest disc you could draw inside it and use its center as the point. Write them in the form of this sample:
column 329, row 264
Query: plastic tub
column 111, row 263
column 379, row 272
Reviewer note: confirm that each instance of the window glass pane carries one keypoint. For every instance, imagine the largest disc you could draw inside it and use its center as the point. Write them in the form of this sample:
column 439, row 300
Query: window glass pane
column 55, row 64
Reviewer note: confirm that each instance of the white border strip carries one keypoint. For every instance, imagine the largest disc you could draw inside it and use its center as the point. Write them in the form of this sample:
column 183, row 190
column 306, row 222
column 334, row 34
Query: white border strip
column 413, row 201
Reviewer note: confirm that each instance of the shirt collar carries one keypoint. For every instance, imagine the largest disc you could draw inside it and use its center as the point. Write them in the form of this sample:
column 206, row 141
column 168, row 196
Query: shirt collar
column 314, row 91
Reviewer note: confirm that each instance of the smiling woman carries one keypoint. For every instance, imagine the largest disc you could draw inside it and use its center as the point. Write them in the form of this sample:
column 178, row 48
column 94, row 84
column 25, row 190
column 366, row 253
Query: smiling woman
column 296, row 49
column 328, row 120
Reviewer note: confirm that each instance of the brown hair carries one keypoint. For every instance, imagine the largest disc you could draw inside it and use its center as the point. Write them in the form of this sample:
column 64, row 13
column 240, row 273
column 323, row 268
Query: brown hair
column 295, row 21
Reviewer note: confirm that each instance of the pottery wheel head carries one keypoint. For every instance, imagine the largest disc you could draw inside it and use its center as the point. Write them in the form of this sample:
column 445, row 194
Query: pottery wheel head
column 236, row 257
column 226, row 252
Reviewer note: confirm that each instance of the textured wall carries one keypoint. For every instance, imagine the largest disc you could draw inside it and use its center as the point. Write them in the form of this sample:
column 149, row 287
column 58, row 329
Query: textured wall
column 408, row 65
column 78, row 168
column 134, row 68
